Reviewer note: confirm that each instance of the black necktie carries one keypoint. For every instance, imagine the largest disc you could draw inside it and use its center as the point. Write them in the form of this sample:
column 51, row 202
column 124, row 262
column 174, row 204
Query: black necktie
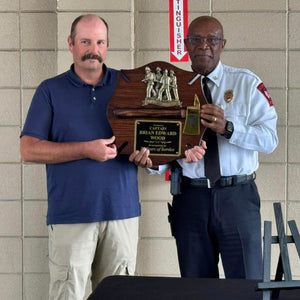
column 211, row 157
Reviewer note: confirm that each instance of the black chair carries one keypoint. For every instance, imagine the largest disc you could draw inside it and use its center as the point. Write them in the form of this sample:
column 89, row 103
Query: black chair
column 283, row 277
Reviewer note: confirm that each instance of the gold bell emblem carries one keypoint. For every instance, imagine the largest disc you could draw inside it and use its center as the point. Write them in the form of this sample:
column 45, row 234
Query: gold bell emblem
column 192, row 120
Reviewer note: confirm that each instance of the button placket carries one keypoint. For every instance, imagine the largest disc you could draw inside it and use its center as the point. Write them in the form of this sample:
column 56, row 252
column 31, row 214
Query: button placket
column 93, row 94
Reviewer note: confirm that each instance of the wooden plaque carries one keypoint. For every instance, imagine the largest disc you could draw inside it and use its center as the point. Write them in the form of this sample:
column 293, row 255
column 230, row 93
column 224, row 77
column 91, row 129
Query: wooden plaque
column 157, row 106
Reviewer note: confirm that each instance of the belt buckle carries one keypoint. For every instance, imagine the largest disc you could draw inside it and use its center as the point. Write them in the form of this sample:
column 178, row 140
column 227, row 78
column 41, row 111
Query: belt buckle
column 234, row 180
column 208, row 183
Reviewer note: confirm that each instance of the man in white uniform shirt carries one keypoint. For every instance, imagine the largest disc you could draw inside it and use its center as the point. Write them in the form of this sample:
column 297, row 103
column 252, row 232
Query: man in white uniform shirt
column 208, row 218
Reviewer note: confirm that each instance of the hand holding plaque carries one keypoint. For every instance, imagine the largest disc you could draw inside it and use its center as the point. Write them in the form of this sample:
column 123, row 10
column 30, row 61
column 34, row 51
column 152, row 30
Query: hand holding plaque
column 157, row 106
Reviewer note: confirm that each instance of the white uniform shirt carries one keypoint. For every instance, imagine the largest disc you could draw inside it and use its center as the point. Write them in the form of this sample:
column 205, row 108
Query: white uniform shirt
column 254, row 118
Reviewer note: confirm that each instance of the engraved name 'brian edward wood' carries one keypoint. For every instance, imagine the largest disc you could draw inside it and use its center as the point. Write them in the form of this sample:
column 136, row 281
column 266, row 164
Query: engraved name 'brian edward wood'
column 160, row 137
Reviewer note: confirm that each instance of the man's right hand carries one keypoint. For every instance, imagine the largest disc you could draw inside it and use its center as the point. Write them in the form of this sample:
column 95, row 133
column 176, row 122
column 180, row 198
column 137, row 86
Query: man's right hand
column 48, row 152
column 102, row 149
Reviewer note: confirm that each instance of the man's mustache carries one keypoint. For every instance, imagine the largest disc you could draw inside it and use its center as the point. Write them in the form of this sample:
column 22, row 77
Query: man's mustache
column 92, row 56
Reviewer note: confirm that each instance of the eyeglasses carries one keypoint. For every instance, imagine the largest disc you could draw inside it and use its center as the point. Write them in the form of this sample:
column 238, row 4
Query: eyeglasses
column 197, row 40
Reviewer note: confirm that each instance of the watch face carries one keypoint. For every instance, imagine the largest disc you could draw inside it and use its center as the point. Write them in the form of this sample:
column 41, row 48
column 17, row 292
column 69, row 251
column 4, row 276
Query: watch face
column 229, row 130
column 229, row 126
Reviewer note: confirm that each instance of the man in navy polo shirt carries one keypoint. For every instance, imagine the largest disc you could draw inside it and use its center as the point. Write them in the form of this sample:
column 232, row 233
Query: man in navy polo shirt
column 93, row 203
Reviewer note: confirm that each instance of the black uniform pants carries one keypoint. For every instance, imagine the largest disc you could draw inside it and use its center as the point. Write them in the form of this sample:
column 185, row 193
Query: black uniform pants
column 221, row 221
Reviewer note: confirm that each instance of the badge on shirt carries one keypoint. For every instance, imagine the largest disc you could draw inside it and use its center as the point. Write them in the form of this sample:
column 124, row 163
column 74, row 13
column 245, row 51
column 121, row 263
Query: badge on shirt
column 261, row 87
column 228, row 96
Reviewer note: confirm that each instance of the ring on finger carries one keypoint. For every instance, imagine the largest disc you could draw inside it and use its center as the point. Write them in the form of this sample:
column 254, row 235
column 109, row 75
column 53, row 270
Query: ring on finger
column 215, row 119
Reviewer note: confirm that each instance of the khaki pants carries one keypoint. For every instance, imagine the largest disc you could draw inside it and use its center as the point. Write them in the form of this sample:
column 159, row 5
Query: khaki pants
column 100, row 249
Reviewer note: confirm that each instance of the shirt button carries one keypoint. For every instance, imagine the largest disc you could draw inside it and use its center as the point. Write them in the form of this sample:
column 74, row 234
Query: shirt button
column 93, row 89
column 94, row 98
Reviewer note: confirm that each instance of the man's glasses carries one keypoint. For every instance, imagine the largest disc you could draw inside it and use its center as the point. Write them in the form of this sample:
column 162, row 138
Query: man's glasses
column 197, row 40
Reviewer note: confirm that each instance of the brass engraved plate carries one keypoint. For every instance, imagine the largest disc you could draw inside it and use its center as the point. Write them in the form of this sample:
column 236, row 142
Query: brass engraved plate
column 160, row 137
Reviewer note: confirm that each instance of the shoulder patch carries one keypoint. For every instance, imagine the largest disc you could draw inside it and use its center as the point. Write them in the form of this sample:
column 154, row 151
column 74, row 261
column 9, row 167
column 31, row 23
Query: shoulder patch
column 261, row 87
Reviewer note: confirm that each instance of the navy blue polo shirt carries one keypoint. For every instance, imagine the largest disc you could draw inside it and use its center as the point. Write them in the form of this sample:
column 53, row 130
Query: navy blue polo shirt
column 66, row 109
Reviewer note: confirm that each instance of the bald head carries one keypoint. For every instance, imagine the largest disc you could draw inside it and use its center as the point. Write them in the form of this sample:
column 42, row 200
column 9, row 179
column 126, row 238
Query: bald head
column 206, row 21
column 205, row 44
column 84, row 18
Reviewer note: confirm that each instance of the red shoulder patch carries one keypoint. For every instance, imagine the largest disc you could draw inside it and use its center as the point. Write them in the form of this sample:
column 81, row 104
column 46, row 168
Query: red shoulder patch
column 261, row 87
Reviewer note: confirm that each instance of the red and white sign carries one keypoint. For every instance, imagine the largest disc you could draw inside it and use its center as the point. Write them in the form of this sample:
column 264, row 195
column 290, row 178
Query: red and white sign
column 178, row 19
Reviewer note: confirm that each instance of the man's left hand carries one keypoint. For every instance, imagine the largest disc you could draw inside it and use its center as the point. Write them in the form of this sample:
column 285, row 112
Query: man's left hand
column 196, row 153
column 141, row 158
column 212, row 116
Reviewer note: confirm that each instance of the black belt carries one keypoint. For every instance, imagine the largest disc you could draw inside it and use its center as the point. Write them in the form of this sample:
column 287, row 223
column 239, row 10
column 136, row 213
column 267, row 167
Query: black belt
column 222, row 182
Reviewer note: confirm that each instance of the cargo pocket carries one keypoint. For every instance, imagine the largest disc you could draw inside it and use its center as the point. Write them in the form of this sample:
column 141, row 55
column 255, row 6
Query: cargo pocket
column 58, row 278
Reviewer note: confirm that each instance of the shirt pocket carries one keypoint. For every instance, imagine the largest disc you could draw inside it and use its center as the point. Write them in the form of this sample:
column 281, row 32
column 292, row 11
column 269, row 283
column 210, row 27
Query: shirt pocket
column 236, row 112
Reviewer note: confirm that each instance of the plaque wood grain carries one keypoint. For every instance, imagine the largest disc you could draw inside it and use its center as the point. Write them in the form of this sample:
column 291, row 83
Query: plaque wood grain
column 128, row 105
